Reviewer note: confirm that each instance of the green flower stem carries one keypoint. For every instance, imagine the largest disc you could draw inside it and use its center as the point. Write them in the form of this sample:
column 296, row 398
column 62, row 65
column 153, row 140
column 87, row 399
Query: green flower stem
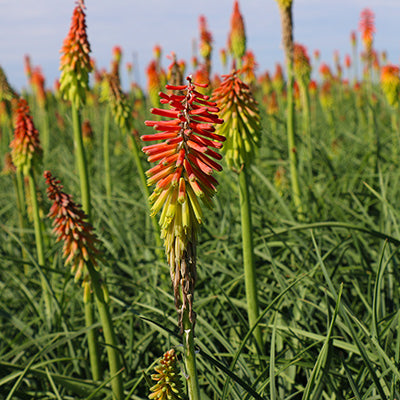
column 114, row 359
column 190, row 357
column 81, row 161
column 106, row 152
column 93, row 344
column 292, row 149
column 85, row 195
column 307, row 122
column 248, row 256
column 39, row 244
column 395, row 130
column 19, row 191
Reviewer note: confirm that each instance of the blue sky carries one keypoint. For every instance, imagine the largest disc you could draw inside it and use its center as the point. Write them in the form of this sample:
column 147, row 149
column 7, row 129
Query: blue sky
column 38, row 28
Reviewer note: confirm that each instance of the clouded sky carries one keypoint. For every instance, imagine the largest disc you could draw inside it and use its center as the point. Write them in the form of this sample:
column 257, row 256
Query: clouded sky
column 38, row 28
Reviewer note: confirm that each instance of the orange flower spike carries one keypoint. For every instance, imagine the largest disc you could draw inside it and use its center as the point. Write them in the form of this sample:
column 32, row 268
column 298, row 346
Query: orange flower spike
column 182, row 175
column 390, row 82
column 301, row 64
column 205, row 45
column 26, row 150
column 237, row 35
column 242, row 127
column 70, row 227
column 75, row 63
column 367, row 28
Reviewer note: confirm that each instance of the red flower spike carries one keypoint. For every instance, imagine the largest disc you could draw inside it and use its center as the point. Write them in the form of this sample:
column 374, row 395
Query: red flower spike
column 182, row 175
column 75, row 60
column 70, row 227
column 25, row 147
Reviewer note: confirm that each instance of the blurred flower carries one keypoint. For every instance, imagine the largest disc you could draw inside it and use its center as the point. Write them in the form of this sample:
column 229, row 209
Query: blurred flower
column 367, row 29
column 26, row 150
column 237, row 34
column 390, row 82
column 301, row 64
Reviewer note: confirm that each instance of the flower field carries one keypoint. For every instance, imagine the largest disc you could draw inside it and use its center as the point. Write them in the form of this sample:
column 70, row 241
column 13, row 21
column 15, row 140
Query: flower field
column 208, row 236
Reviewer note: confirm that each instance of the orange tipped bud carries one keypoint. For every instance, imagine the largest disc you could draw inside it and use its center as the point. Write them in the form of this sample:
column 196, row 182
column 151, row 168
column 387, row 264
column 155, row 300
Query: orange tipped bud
column 75, row 63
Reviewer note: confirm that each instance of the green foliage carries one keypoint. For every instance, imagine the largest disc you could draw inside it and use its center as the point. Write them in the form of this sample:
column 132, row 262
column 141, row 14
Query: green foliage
column 328, row 287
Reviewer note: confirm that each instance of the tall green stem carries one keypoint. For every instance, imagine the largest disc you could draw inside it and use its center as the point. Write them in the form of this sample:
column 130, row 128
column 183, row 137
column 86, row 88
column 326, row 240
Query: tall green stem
column 114, row 359
column 190, row 357
column 19, row 191
column 80, row 155
column 287, row 39
column 39, row 243
column 106, row 152
column 81, row 161
column 93, row 344
column 248, row 255
column 292, row 149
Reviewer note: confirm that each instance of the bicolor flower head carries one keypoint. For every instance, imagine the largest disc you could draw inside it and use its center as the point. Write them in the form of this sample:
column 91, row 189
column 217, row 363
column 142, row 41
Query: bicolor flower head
column 367, row 28
column 75, row 63
column 278, row 80
column 325, row 72
column 38, row 84
column 237, row 35
column 249, row 66
column 301, row 64
column 71, row 227
column 153, row 82
column 242, row 127
column 390, row 82
column 26, row 150
column 169, row 384
column 112, row 93
column 205, row 45
column 183, row 175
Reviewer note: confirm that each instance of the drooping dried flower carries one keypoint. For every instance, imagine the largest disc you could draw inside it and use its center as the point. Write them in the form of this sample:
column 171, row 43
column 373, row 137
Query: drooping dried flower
column 390, row 82
column 237, row 35
column 75, row 63
column 183, row 175
column 8, row 167
column 71, row 227
column 26, row 150
column 169, row 384
column 242, row 120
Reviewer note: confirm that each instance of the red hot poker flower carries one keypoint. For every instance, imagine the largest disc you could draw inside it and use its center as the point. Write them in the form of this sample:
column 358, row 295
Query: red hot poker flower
column 237, row 35
column 75, row 61
column 367, row 28
column 390, row 81
column 183, row 174
column 26, row 149
column 71, row 227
